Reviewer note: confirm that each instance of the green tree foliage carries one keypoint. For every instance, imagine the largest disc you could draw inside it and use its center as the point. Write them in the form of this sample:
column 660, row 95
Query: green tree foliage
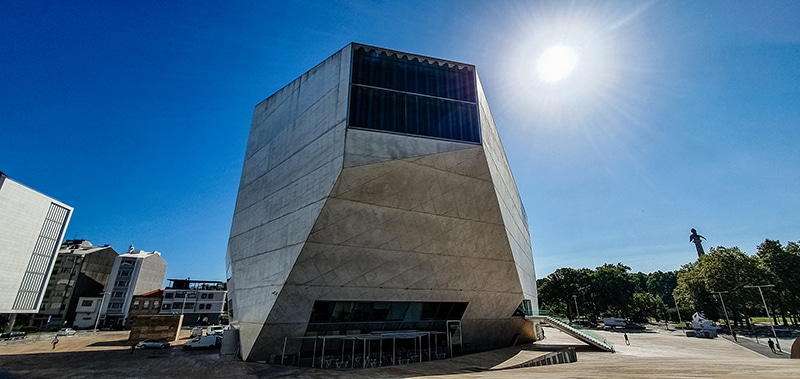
column 662, row 284
column 722, row 269
column 783, row 266
column 556, row 290
column 611, row 290
column 607, row 291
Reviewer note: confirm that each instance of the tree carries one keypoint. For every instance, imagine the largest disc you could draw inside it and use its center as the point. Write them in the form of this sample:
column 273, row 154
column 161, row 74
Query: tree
column 556, row 290
column 662, row 284
column 722, row 269
column 611, row 290
column 783, row 265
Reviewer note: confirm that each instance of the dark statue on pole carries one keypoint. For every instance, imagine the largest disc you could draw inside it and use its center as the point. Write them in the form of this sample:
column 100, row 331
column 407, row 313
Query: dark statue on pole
column 698, row 243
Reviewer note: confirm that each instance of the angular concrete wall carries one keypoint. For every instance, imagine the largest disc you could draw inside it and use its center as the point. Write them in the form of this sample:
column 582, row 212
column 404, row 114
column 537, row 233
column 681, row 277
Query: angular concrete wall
column 330, row 213
column 294, row 155
column 511, row 204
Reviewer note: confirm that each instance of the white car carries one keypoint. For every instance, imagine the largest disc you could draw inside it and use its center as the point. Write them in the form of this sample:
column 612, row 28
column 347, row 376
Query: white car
column 204, row 342
column 66, row 332
column 215, row 330
column 153, row 344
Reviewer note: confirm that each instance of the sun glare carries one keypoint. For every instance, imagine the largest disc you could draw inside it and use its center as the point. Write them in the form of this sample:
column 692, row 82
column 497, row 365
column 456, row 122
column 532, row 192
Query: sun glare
column 556, row 63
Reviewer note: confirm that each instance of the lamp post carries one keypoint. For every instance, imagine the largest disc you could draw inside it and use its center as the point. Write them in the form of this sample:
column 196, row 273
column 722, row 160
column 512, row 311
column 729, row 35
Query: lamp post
column 767, row 309
column 100, row 308
column 577, row 314
column 727, row 321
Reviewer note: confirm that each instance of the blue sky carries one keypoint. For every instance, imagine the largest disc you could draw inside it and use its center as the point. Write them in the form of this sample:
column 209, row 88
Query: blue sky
column 679, row 114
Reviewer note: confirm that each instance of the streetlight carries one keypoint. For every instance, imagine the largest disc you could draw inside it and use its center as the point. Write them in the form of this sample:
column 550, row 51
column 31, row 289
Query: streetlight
column 97, row 319
column 727, row 321
column 767, row 309
column 577, row 314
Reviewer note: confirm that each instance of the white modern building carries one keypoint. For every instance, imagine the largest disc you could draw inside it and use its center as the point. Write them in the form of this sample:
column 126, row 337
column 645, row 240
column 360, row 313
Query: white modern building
column 376, row 202
column 133, row 273
column 201, row 302
column 86, row 312
column 32, row 226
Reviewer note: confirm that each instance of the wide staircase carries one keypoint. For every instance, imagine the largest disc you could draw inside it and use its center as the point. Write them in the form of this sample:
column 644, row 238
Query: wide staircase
column 581, row 334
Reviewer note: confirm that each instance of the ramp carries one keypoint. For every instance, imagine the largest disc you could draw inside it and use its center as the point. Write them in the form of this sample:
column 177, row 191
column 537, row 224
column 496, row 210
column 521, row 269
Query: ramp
column 583, row 335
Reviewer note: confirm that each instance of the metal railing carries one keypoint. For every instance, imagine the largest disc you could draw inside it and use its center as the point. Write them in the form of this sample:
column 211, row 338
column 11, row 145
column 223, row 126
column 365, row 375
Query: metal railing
column 582, row 334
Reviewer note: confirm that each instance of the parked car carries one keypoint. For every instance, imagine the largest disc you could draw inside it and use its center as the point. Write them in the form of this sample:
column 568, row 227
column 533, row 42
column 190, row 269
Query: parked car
column 215, row 330
column 153, row 344
column 203, row 342
column 66, row 332
column 13, row 335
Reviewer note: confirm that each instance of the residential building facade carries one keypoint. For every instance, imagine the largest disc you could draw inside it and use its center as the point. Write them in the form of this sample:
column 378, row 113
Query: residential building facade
column 134, row 273
column 81, row 269
column 87, row 311
column 376, row 197
column 201, row 302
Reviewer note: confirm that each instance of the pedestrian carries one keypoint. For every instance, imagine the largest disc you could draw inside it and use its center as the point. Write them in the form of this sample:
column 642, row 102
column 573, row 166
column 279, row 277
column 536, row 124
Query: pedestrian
column 55, row 342
column 627, row 341
column 133, row 347
column 733, row 333
column 771, row 346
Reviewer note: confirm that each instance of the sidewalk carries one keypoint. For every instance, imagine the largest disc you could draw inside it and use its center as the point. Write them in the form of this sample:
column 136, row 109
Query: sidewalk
column 761, row 347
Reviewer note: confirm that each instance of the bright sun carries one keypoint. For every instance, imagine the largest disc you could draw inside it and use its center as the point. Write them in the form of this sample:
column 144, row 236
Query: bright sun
column 556, row 63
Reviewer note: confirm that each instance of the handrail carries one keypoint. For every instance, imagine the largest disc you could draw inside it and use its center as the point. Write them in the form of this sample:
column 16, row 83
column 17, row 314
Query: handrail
column 585, row 335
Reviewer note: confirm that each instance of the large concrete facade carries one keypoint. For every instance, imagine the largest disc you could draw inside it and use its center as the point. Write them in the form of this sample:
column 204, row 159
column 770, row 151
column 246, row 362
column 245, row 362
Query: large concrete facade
column 32, row 227
column 329, row 211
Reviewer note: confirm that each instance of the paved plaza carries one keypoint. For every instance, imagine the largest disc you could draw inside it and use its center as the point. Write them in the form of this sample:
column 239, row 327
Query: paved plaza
column 654, row 354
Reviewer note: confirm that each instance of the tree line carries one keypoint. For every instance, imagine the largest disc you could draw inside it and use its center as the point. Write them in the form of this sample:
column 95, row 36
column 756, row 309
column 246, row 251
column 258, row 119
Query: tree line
column 611, row 290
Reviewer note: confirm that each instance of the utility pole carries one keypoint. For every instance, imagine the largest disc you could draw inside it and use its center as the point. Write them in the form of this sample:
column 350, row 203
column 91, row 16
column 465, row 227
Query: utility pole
column 100, row 308
column 727, row 321
column 767, row 309
column 577, row 314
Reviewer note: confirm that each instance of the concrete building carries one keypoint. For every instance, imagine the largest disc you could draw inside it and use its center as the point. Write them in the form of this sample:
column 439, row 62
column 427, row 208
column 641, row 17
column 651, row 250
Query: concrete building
column 376, row 197
column 134, row 273
column 86, row 312
column 32, row 227
column 146, row 304
column 201, row 302
column 81, row 269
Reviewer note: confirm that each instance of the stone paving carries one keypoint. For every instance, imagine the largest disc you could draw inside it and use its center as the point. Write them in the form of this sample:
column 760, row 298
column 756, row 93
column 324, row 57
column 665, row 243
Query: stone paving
column 654, row 353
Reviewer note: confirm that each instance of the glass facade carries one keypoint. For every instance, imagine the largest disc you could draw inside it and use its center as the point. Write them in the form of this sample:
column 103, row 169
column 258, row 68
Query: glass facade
column 338, row 317
column 411, row 96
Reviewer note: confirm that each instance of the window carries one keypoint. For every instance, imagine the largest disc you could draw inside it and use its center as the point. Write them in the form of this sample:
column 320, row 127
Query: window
column 118, row 294
column 115, row 305
column 127, row 262
column 87, row 303
column 168, row 295
column 211, row 296
column 135, row 304
column 121, row 283
column 191, row 295
column 146, row 304
column 406, row 95
column 124, row 273
column 155, row 304
column 204, row 296
column 180, row 295
column 166, row 306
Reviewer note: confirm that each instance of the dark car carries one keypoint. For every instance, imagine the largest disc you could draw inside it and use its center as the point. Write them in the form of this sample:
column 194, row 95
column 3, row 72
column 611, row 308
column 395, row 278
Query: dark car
column 13, row 336
column 153, row 344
